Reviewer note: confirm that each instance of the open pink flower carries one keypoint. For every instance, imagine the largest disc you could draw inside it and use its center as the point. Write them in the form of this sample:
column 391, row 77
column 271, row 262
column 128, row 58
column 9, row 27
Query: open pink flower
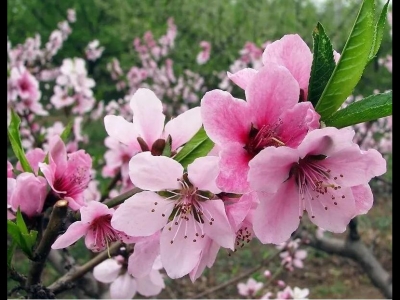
column 67, row 174
column 95, row 225
column 185, row 207
column 291, row 52
column 326, row 176
column 147, row 132
column 271, row 116
column 250, row 288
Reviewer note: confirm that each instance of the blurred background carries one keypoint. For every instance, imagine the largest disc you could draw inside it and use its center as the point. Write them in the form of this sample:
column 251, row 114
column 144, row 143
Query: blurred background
column 183, row 48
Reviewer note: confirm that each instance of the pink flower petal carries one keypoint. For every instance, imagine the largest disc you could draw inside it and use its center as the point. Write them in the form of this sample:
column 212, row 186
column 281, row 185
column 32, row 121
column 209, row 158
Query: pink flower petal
column 225, row 118
column 57, row 155
column 271, row 167
column 363, row 198
column 272, row 91
column 356, row 166
column 297, row 122
column 148, row 116
column 132, row 216
column 203, row 172
column 238, row 211
column 155, row 173
column 124, row 287
column 94, row 210
column 183, row 127
column 326, row 141
column 107, row 271
column 293, row 53
column 150, row 285
column 233, row 169
column 180, row 257
column 277, row 215
column 220, row 229
column 142, row 259
column 242, row 77
column 336, row 217
column 121, row 130
column 207, row 259
column 74, row 232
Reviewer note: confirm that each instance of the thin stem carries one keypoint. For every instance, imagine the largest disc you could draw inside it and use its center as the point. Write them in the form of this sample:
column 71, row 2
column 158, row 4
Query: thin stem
column 65, row 282
column 112, row 184
column 121, row 198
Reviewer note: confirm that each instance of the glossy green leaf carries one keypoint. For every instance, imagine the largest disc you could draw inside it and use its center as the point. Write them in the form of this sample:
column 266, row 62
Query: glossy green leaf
column 167, row 148
column 352, row 62
column 19, row 233
column 378, row 33
column 199, row 145
column 15, row 140
column 368, row 109
column 322, row 66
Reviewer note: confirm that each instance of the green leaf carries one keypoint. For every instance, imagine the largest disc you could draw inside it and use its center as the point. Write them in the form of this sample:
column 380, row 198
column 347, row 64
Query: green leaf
column 322, row 66
column 378, row 33
column 167, row 148
column 66, row 132
column 20, row 222
column 198, row 146
column 15, row 140
column 368, row 109
column 10, row 252
column 19, row 233
column 352, row 62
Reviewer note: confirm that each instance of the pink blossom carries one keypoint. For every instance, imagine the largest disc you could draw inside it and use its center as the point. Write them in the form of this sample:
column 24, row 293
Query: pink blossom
column 250, row 288
column 183, row 212
column 204, row 54
column 125, row 286
column 271, row 116
column 28, row 193
column 147, row 132
column 94, row 225
column 296, row 293
column 11, row 182
column 71, row 15
column 316, row 177
column 93, row 51
column 34, row 157
column 67, row 174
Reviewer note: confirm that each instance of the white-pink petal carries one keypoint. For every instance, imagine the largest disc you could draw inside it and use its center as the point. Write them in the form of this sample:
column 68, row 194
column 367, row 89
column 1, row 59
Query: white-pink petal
column 183, row 127
column 74, row 232
column 123, row 287
column 121, row 130
column 148, row 117
column 142, row 214
column 107, row 271
column 203, row 172
column 155, row 173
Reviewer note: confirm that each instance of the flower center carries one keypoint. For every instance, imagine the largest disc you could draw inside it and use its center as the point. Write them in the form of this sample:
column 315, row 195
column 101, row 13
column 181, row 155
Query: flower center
column 316, row 183
column 103, row 233
column 259, row 139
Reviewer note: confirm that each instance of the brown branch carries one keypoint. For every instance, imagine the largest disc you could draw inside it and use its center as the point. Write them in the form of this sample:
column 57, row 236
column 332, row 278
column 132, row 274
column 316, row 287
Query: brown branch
column 246, row 274
column 51, row 233
column 66, row 281
column 121, row 198
column 357, row 251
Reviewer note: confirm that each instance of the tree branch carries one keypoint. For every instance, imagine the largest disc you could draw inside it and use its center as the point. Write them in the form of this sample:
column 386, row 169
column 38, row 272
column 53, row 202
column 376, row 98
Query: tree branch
column 65, row 282
column 356, row 250
column 51, row 233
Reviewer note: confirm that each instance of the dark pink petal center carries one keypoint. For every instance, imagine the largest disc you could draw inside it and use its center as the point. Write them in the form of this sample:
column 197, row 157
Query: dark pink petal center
column 316, row 183
column 103, row 233
column 266, row 136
